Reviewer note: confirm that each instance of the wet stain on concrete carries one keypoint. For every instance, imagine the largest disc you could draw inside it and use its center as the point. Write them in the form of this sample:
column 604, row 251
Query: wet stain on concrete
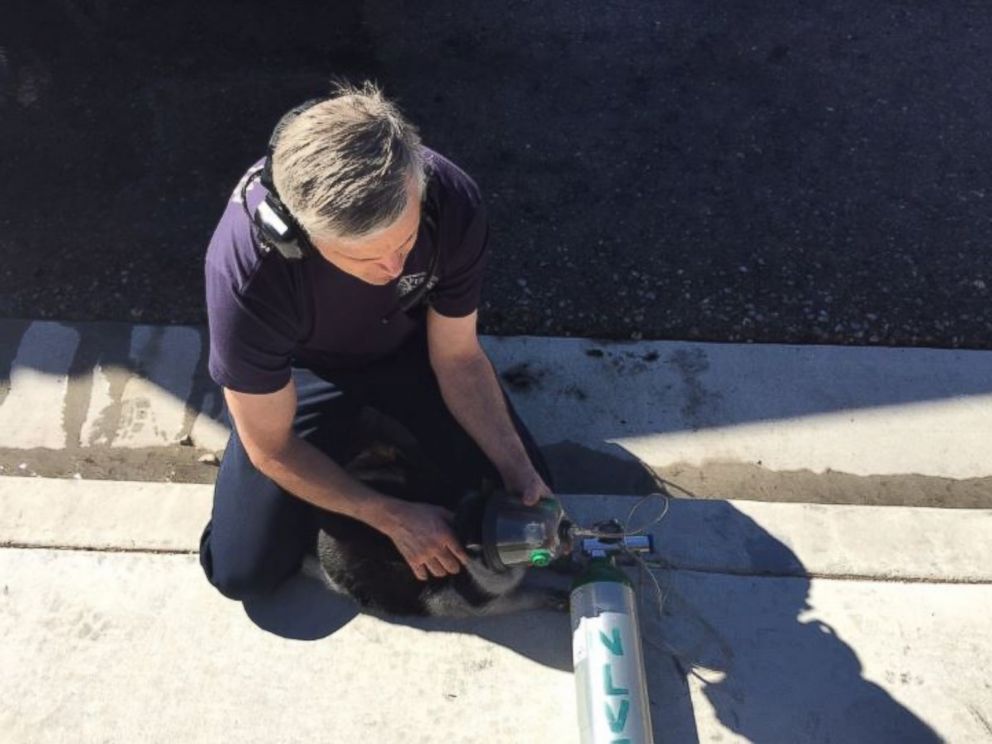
column 113, row 342
column 522, row 378
column 701, row 405
column 11, row 334
column 574, row 391
column 625, row 362
column 104, row 344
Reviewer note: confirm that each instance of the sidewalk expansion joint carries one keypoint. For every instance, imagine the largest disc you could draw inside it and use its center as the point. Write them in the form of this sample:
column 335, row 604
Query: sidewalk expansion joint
column 12, row 545
column 9, row 545
column 833, row 576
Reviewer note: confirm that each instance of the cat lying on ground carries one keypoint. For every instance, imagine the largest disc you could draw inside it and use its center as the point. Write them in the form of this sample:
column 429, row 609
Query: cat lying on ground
column 356, row 560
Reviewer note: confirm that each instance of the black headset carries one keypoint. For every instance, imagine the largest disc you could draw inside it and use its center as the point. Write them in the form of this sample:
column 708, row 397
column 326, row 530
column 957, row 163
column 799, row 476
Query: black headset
column 278, row 230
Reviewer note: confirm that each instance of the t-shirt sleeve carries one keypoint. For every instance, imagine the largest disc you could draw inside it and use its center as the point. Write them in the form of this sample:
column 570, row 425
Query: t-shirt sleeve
column 249, row 353
column 460, row 286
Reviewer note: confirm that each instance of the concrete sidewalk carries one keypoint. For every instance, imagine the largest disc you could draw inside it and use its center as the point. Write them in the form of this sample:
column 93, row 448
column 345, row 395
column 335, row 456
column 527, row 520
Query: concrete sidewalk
column 105, row 640
column 783, row 622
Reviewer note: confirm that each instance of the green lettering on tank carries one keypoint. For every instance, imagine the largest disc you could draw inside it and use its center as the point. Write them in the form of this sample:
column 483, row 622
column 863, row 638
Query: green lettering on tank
column 617, row 722
column 608, row 683
column 614, row 643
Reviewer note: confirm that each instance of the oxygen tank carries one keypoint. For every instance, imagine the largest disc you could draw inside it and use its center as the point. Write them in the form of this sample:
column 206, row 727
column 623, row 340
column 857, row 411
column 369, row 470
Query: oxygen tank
column 611, row 686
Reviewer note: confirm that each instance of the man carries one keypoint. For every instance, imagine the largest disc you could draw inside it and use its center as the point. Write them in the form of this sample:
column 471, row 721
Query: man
column 346, row 272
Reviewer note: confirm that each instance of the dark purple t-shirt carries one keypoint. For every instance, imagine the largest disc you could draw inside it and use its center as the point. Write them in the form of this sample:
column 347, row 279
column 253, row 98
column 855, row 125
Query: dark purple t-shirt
column 267, row 314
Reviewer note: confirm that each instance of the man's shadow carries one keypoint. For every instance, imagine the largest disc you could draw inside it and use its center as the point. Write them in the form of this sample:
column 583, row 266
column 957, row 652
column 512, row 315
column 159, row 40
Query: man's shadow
column 751, row 644
column 769, row 673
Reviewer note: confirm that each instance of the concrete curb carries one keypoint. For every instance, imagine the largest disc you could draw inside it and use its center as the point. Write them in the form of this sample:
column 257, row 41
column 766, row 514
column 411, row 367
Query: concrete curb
column 732, row 537
column 864, row 411
column 778, row 539
column 102, row 515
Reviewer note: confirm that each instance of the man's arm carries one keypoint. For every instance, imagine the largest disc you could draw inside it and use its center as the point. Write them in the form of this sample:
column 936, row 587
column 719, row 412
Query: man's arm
column 264, row 424
column 473, row 395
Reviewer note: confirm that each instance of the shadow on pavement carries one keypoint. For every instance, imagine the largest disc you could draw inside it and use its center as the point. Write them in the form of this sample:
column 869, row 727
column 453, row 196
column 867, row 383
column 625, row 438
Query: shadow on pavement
column 740, row 642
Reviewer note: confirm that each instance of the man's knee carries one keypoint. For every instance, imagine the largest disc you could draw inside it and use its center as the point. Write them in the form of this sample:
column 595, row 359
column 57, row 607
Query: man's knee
column 237, row 581
column 240, row 586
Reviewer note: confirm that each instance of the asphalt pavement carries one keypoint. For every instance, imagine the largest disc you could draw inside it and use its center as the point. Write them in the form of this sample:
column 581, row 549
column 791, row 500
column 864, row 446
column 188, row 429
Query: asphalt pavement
column 776, row 172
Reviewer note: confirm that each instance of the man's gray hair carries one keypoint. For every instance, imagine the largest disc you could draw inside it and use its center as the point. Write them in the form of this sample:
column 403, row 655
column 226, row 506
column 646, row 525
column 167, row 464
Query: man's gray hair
column 343, row 167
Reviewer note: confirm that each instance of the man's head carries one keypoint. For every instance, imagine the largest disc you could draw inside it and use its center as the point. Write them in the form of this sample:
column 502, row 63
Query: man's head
column 351, row 171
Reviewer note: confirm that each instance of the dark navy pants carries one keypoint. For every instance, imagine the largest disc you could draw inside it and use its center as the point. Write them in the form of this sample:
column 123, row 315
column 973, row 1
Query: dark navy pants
column 258, row 532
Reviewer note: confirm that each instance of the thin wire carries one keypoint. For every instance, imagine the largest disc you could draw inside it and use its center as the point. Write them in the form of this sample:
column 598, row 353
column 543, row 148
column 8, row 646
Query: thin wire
column 644, row 567
column 589, row 532
column 643, row 528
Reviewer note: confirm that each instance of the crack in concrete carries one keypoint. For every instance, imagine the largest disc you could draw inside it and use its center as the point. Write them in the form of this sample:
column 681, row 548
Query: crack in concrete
column 17, row 545
column 832, row 577
column 981, row 719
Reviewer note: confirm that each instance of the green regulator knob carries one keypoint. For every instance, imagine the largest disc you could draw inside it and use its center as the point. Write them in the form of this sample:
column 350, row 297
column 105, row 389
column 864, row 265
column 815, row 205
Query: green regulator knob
column 540, row 558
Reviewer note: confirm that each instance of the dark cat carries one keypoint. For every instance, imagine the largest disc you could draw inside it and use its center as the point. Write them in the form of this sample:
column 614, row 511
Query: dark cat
column 356, row 560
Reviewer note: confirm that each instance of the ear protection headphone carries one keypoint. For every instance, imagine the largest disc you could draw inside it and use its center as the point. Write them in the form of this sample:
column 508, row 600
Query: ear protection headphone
column 278, row 230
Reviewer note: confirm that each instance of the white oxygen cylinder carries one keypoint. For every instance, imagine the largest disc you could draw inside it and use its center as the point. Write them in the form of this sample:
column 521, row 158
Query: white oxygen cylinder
column 610, row 682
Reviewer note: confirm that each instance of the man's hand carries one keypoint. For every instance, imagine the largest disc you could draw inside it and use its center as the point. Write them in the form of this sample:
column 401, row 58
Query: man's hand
column 423, row 535
column 528, row 484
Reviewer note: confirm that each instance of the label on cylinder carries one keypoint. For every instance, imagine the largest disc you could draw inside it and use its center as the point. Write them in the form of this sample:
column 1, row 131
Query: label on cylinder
column 612, row 692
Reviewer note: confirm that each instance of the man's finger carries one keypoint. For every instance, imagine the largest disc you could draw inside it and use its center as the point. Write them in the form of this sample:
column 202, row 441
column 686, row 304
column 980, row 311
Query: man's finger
column 459, row 552
column 447, row 559
column 435, row 567
column 416, row 564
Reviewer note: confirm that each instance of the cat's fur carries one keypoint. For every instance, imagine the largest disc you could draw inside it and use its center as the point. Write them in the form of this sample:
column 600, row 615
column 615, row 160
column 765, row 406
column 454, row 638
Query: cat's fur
column 363, row 563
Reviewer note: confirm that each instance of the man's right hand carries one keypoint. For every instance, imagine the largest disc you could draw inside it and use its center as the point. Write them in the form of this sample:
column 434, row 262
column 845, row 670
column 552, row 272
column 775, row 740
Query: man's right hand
column 421, row 532
column 423, row 535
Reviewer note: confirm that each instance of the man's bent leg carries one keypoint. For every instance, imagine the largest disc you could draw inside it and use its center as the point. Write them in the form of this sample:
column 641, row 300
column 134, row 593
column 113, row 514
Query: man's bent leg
column 258, row 532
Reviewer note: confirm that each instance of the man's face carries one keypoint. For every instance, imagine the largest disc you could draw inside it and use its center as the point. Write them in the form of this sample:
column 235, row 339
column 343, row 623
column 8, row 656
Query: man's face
column 378, row 258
